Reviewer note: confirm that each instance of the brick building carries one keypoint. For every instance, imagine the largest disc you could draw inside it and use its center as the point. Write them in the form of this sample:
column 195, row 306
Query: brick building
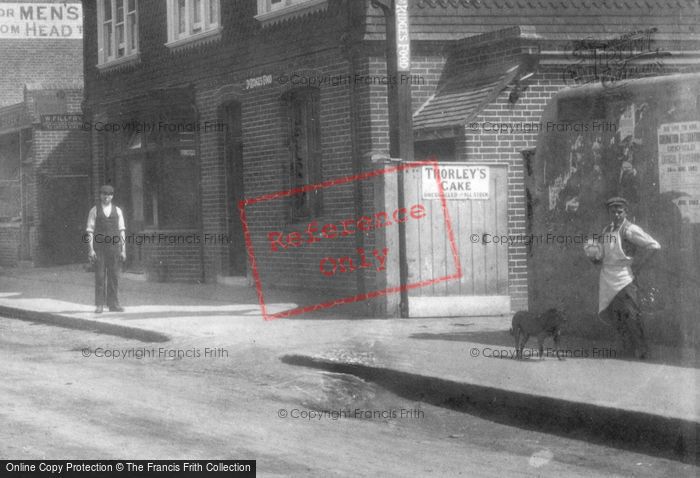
column 197, row 104
column 44, row 154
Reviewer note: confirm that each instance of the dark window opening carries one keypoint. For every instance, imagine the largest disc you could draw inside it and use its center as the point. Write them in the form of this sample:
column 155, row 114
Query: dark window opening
column 155, row 176
column 305, row 152
column 443, row 150
column 9, row 157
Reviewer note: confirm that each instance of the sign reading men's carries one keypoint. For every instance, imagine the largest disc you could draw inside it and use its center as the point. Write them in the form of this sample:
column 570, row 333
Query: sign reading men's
column 48, row 21
column 458, row 181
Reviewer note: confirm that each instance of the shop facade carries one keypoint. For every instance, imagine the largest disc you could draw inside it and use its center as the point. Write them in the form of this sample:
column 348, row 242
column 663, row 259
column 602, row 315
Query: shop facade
column 44, row 155
column 196, row 105
column 44, row 178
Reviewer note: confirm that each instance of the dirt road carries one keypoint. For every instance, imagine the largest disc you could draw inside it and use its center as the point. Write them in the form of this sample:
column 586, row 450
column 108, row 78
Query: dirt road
column 69, row 393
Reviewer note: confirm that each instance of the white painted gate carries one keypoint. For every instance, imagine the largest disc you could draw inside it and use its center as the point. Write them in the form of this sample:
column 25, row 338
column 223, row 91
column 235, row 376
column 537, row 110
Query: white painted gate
column 483, row 287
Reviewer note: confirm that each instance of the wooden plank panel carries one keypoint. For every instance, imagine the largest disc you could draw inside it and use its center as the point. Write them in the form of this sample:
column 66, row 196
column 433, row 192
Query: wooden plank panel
column 484, row 266
column 479, row 220
column 413, row 228
column 425, row 265
column 455, row 209
column 466, row 250
column 426, row 253
column 439, row 251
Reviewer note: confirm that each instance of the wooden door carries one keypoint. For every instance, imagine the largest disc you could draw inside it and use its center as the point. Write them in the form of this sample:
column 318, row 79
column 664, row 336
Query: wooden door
column 237, row 257
column 483, row 287
column 64, row 202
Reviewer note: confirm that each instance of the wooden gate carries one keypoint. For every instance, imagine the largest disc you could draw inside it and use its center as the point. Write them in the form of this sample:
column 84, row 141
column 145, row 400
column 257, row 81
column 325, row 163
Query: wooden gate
column 483, row 287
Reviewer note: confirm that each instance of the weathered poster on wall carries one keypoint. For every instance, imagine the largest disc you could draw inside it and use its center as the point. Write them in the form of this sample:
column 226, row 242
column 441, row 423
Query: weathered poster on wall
column 679, row 166
column 459, row 182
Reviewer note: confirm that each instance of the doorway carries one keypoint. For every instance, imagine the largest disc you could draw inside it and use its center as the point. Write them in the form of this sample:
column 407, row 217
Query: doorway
column 483, row 288
column 233, row 162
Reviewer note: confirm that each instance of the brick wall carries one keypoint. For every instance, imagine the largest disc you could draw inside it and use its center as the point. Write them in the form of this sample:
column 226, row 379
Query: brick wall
column 216, row 72
column 267, row 162
column 428, row 65
column 245, row 50
column 487, row 143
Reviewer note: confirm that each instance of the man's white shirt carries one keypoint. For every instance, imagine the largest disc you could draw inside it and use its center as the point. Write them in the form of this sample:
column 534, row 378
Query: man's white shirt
column 107, row 210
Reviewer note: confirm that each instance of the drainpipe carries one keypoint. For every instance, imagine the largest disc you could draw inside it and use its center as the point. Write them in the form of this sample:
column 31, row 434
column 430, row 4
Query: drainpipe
column 200, row 219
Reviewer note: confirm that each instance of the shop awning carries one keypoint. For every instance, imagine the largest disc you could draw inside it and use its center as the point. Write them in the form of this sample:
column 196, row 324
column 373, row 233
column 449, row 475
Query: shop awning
column 462, row 95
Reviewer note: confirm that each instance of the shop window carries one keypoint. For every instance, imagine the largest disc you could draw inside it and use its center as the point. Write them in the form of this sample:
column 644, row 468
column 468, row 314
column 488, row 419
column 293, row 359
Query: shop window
column 190, row 20
column 274, row 9
column 9, row 176
column 171, row 179
column 159, row 176
column 305, row 151
column 118, row 30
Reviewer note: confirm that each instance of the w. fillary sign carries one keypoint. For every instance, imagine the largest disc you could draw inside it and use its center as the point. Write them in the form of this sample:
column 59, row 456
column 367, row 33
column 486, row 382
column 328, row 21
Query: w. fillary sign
column 47, row 21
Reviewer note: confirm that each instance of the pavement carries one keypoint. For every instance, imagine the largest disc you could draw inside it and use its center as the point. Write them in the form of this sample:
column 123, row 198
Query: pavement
column 462, row 363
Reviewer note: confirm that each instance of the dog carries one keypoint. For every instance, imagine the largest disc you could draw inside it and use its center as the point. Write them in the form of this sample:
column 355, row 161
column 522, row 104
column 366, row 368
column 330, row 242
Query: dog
column 526, row 324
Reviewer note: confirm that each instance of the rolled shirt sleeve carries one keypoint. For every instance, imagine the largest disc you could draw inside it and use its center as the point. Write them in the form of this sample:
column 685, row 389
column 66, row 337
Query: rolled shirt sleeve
column 120, row 216
column 639, row 238
column 92, row 215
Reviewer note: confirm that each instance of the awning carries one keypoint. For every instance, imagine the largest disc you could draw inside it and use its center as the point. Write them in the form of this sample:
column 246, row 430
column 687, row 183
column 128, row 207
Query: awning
column 462, row 96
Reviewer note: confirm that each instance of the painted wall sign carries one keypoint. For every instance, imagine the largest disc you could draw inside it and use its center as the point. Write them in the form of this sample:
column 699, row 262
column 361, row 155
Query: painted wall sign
column 258, row 82
column 403, row 39
column 47, row 21
column 459, row 181
column 679, row 166
column 61, row 122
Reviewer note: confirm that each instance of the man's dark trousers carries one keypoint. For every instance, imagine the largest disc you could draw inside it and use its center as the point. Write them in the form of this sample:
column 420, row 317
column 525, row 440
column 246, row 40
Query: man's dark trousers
column 107, row 276
column 107, row 250
column 626, row 317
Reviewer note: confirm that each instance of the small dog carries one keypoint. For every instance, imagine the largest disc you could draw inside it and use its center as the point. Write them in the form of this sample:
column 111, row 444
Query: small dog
column 526, row 324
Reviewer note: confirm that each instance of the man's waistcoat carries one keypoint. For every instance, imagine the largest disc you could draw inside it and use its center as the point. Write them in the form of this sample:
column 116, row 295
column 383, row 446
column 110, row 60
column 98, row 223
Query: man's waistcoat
column 108, row 227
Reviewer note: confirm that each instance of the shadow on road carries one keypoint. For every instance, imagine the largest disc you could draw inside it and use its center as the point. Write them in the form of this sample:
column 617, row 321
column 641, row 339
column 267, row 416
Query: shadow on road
column 654, row 435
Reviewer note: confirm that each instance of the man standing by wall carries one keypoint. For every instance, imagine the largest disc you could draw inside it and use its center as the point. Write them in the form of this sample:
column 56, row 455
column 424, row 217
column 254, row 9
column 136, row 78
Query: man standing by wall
column 107, row 245
column 624, row 249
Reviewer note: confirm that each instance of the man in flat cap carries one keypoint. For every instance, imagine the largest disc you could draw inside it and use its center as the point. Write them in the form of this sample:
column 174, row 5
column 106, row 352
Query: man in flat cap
column 107, row 246
column 625, row 249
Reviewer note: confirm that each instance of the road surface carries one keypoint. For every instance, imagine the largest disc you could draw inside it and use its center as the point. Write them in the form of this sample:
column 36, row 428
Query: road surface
column 65, row 395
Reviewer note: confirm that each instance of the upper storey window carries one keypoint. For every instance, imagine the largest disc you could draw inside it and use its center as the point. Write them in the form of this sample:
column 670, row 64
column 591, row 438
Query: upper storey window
column 270, row 11
column 118, row 31
column 192, row 20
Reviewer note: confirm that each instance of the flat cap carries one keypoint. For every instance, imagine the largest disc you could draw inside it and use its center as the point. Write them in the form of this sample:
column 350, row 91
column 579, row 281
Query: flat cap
column 616, row 201
column 106, row 189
